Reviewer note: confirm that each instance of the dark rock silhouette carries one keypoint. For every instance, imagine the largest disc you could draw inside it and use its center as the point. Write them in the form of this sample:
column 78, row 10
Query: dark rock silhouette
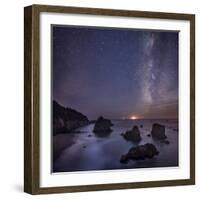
column 165, row 141
column 102, row 126
column 148, row 135
column 66, row 119
column 133, row 134
column 141, row 152
column 158, row 132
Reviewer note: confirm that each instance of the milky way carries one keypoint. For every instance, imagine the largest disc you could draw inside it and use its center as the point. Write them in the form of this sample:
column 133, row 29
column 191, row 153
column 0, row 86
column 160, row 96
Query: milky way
column 116, row 73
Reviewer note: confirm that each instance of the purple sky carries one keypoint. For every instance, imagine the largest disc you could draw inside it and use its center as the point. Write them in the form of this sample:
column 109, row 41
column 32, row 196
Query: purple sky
column 116, row 73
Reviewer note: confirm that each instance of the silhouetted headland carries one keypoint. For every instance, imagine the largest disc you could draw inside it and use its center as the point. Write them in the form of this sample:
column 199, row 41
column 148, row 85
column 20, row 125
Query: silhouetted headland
column 65, row 120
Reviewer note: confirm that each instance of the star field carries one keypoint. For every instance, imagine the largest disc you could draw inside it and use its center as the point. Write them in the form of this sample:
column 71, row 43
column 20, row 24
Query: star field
column 116, row 73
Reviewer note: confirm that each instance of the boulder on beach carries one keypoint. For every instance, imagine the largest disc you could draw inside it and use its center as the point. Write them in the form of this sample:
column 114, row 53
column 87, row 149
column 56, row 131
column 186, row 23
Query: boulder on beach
column 141, row 152
column 133, row 134
column 158, row 132
column 102, row 125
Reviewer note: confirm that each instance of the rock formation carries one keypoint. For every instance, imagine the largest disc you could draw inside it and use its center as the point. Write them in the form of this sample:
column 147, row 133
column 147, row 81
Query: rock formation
column 133, row 134
column 141, row 152
column 102, row 126
column 66, row 119
column 158, row 132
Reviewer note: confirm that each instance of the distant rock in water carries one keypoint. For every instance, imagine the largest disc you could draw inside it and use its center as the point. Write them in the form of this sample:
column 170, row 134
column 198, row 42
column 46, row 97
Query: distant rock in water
column 141, row 152
column 148, row 135
column 92, row 121
column 165, row 141
column 66, row 119
column 133, row 134
column 102, row 126
column 158, row 132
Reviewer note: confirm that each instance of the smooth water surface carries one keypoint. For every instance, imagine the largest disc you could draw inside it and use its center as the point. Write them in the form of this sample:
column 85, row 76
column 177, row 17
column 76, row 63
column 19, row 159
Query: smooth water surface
column 91, row 152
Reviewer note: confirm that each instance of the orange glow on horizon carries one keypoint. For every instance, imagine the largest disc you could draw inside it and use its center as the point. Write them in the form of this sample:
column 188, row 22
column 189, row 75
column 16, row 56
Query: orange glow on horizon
column 133, row 117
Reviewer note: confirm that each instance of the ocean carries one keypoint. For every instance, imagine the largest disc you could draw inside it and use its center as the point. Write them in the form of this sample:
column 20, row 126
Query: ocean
column 88, row 151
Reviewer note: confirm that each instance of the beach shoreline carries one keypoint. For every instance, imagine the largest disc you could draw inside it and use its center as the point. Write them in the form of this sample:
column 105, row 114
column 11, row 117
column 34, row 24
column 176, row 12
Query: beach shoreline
column 61, row 142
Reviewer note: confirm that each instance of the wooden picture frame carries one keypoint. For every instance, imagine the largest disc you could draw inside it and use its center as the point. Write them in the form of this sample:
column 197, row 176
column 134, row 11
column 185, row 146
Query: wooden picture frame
column 32, row 98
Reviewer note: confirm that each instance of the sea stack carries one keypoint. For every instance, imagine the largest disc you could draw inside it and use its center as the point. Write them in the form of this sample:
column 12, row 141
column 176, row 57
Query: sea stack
column 102, row 125
column 158, row 132
column 133, row 134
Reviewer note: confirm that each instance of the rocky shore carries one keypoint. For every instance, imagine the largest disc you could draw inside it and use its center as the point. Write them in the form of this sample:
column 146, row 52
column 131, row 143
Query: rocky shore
column 67, row 120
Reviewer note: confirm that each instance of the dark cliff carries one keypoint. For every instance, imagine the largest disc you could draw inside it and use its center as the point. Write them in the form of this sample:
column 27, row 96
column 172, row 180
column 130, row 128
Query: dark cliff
column 66, row 119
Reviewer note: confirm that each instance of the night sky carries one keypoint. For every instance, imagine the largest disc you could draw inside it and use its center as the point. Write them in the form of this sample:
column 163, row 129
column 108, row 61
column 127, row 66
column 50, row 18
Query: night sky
column 117, row 73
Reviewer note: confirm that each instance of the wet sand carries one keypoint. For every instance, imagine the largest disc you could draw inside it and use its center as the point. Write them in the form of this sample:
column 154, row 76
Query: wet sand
column 60, row 143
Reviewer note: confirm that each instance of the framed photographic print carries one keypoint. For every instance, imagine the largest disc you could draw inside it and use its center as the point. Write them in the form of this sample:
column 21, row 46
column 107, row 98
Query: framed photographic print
column 109, row 99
